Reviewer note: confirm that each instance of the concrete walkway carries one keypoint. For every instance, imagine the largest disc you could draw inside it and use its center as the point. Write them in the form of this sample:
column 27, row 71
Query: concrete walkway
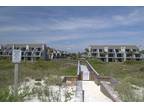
column 92, row 91
column 85, row 72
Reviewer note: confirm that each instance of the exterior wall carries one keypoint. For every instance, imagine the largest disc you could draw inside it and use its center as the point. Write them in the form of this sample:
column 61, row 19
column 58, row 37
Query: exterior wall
column 115, row 53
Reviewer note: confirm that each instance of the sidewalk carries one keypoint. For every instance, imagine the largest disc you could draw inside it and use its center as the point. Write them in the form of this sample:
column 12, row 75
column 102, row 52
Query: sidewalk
column 92, row 91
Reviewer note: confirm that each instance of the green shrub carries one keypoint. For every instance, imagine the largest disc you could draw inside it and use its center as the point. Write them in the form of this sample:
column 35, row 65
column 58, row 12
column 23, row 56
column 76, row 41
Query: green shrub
column 131, row 62
column 125, row 91
column 95, row 61
column 142, row 69
column 6, row 96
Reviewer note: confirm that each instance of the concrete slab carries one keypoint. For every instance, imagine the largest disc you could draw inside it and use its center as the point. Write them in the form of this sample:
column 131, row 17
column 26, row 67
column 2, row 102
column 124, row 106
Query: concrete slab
column 92, row 91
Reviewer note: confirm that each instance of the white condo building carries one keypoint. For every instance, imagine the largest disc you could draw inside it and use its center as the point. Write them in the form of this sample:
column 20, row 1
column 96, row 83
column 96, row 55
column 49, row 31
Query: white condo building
column 114, row 53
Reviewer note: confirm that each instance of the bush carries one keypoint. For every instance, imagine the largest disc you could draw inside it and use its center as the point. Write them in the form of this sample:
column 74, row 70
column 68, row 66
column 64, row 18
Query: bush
column 95, row 61
column 6, row 96
column 126, row 91
column 133, row 62
column 142, row 69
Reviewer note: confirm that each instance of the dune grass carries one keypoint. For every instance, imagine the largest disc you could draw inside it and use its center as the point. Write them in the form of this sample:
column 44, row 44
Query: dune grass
column 132, row 70
column 128, row 73
column 38, row 69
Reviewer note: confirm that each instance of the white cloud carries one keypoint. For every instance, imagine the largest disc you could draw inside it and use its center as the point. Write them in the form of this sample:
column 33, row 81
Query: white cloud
column 76, row 23
column 79, row 23
column 54, row 38
column 20, row 28
column 133, row 17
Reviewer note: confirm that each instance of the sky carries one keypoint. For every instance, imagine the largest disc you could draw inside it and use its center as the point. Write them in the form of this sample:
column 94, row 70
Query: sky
column 72, row 28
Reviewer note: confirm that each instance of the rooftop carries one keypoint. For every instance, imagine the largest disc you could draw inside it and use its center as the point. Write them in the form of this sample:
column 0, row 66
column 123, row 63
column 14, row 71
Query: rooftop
column 114, row 46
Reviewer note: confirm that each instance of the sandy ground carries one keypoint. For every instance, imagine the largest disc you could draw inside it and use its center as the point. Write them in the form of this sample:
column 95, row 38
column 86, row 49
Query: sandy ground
column 58, row 91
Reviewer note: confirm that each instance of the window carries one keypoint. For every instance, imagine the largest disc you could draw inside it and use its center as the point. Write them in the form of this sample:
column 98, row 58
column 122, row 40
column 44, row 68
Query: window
column 102, row 55
column 127, row 50
column 137, row 55
column 100, row 50
column 134, row 50
column 37, row 53
column 117, row 50
column 39, row 49
column 94, row 50
column 110, row 50
column 119, row 55
column 111, row 55
column 129, row 55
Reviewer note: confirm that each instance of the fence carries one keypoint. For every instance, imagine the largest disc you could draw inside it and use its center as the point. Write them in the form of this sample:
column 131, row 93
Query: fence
column 95, row 76
column 109, row 91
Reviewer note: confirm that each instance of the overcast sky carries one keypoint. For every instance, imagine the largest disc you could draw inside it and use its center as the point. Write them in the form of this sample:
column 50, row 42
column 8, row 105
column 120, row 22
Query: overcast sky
column 72, row 28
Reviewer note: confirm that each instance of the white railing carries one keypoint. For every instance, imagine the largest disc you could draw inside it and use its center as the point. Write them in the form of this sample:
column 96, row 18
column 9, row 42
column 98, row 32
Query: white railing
column 78, row 68
column 92, row 68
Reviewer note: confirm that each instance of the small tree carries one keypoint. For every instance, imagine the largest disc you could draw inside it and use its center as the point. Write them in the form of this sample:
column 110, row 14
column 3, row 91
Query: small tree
column 86, row 50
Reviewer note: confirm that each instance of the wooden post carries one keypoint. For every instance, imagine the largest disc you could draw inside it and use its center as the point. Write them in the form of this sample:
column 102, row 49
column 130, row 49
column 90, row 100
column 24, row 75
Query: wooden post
column 16, row 69
column 83, row 95
column 16, row 59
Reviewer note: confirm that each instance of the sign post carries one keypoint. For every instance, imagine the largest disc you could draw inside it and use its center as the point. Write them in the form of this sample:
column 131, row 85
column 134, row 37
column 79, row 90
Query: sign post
column 16, row 59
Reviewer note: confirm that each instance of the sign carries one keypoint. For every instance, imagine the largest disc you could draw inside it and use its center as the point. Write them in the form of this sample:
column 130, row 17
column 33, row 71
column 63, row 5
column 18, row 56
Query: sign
column 16, row 56
column 106, row 49
column 122, row 49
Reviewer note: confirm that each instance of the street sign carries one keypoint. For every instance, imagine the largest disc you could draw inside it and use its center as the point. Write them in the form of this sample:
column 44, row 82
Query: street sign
column 16, row 56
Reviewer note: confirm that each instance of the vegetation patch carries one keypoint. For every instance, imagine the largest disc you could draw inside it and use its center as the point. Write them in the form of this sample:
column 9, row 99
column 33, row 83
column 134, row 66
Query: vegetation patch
column 36, row 70
column 128, row 73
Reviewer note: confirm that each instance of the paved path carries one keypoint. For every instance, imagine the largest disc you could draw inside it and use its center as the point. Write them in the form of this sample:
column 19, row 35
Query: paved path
column 92, row 91
column 85, row 72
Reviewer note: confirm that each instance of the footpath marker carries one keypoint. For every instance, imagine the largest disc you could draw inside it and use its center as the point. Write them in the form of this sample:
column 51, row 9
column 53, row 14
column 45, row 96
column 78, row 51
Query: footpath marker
column 16, row 59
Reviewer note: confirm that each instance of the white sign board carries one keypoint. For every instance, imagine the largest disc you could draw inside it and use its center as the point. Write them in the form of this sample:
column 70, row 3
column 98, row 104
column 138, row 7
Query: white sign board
column 85, row 72
column 106, row 49
column 86, row 75
column 16, row 56
column 122, row 49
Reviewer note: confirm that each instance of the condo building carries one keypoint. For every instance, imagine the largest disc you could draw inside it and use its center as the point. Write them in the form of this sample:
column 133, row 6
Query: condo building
column 114, row 53
column 29, row 51
column 32, row 51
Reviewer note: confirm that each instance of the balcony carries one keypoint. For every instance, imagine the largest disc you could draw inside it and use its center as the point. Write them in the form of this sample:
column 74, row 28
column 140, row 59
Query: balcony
column 28, row 54
column 110, row 50
column 129, row 55
column 101, row 50
column 102, row 55
column 137, row 55
column 117, row 50
column 94, row 50
column 111, row 55
column 94, row 54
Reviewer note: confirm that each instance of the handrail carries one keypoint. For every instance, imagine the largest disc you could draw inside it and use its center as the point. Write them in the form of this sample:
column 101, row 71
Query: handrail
column 92, row 68
column 78, row 68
